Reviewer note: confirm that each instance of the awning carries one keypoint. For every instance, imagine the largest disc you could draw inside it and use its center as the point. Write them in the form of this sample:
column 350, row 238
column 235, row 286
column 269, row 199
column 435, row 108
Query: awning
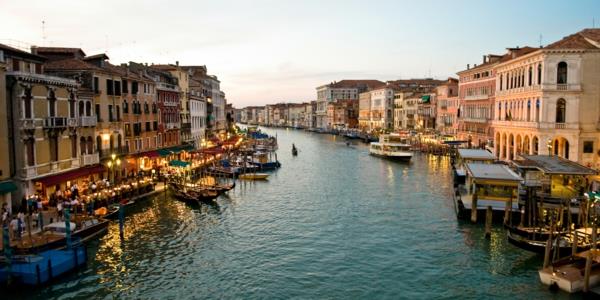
column 7, row 187
column 70, row 175
column 150, row 154
column 425, row 98
column 179, row 163
column 174, row 150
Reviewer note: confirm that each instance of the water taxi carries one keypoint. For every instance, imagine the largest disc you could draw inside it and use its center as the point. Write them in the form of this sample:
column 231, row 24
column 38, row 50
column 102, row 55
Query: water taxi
column 392, row 146
column 254, row 176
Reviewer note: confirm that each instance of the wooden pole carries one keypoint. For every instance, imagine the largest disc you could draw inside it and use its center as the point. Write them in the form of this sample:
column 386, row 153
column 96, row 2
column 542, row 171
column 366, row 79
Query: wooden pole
column 588, row 262
column 548, row 248
column 507, row 210
column 574, row 243
column 488, row 222
column 474, row 208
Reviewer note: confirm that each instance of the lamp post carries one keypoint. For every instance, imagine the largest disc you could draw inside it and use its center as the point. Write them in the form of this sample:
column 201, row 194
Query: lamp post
column 113, row 164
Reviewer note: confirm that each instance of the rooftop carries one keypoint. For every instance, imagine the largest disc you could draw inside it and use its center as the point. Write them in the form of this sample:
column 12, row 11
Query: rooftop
column 552, row 165
column 492, row 171
column 586, row 39
column 475, row 154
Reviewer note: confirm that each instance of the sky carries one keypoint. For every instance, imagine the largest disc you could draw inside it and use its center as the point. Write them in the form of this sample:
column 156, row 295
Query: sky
column 268, row 51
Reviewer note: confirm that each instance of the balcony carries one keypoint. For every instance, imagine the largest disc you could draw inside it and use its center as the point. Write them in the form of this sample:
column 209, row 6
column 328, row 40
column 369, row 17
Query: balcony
column 169, row 126
column 536, row 125
column 88, row 121
column 562, row 87
column 49, row 168
column 167, row 86
column 106, row 153
column 90, row 159
column 55, row 122
column 474, row 120
column 72, row 122
column 186, row 126
column 476, row 97
column 28, row 124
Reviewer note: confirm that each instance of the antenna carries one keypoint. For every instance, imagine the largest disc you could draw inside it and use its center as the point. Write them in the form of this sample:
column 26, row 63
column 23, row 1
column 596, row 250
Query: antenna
column 43, row 33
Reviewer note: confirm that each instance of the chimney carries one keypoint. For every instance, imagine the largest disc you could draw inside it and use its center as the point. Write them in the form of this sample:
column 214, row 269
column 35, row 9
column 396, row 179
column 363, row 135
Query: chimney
column 468, row 66
column 177, row 63
column 484, row 59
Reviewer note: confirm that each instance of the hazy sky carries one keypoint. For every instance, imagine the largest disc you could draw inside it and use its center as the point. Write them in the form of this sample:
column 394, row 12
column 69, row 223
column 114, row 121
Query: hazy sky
column 270, row 51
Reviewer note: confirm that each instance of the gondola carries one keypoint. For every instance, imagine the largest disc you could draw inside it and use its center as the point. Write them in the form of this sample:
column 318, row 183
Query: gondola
column 294, row 151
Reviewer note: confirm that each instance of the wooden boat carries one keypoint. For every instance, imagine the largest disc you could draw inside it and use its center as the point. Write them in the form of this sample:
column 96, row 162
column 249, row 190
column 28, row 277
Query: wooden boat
column 41, row 268
column 193, row 194
column 562, row 242
column 568, row 273
column 254, row 176
column 82, row 229
column 391, row 146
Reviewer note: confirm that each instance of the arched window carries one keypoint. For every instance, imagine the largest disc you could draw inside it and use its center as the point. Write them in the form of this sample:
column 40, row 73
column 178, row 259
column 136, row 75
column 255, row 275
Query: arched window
column 561, row 74
column 561, row 107
column 81, row 108
column 99, row 144
column 500, row 81
column 90, row 145
column 82, row 145
column 556, row 147
column 88, row 108
column 530, row 76
column 528, row 110
column 539, row 74
column 566, row 153
column 125, row 107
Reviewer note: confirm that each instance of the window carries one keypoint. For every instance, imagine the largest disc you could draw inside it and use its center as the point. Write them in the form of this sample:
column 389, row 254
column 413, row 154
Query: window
column 15, row 66
column 539, row 74
column 118, row 113
column 588, row 147
column 27, row 105
column 134, row 87
column 125, row 107
column 96, row 86
column 51, row 104
column 561, row 73
column 74, row 146
column 125, row 87
column 53, row 141
column 117, row 88
column 127, row 130
column 155, row 125
column 148, row 126
column 30, row 146
column 110, row 113
column 88, row 108
column 99, row 144
column 98, row 119
column 561, row 107
column 109, row 87
column 529, row 76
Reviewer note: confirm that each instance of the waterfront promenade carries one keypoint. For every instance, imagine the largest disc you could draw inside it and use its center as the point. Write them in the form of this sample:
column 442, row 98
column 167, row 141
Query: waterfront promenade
column 333, row 222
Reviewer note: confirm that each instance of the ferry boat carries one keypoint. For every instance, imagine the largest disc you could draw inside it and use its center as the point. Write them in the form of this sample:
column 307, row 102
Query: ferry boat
column 392, row 146
column 568, row 273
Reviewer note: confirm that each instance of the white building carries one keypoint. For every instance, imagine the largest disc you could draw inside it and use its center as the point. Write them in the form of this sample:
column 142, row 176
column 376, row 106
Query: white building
column 548, row 100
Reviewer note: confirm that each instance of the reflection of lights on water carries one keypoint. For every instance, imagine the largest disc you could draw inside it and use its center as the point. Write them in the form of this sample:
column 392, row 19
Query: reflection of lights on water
column 390, row 175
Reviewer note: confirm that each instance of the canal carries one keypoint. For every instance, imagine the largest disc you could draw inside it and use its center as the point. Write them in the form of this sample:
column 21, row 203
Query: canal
column 332, row 223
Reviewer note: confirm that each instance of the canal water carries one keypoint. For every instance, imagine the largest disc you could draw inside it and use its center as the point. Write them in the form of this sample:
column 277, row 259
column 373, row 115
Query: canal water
column 332, row 223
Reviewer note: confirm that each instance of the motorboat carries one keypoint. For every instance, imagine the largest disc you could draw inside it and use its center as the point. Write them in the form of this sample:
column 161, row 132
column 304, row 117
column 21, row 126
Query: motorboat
column 391, row 146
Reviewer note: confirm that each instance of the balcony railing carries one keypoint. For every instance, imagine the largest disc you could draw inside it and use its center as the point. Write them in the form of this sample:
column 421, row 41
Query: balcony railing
column 55, row 122
column 477, row 97
column 562, row 87
column 90, row 121
column 28, row 123
column 171, row 125
column 49, row 168
column 106, row 153
column 90, row 159
column 72, row 122
column 539, row 125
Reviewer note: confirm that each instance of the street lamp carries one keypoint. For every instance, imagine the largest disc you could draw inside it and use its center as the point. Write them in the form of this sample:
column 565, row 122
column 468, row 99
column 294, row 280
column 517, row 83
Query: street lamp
column 114, row 162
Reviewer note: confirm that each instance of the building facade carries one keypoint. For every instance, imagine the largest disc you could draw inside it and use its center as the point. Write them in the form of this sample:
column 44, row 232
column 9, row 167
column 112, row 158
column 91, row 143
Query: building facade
column 447, row 107
column 547, row 100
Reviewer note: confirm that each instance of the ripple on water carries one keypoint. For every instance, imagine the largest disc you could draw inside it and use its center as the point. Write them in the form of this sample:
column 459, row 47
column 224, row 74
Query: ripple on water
column 333, row 223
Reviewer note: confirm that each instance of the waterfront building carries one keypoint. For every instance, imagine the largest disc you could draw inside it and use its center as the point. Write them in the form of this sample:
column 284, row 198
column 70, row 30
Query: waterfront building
column 381, row 109
column 168, row 98
column 447, row 107
column 364, row 111
column 426, row 112
column 476, row 98
column 345, row 89
column 547, row 100
column 140, row 117
column 408, row 106
column 229, row 115
column 215, row 99
column 7, row 186
column 197, row 113
column 45, row 138
column 342, row 114
column 296, row 114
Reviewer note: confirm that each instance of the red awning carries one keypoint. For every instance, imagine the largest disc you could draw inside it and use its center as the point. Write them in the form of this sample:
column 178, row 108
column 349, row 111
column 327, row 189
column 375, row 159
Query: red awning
column 150, row 154
column 70, row 175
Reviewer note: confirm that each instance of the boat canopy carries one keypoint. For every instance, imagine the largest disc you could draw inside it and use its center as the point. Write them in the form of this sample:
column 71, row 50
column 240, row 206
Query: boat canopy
column 179, row 163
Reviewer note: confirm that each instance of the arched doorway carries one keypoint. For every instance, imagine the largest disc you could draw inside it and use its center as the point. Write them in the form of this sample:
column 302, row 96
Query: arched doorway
column 535, row 143
column 511, row 147
column 526, row 145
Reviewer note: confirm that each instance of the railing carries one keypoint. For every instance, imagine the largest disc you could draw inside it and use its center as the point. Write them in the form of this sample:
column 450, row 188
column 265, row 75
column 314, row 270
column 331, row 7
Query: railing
column 72, row 122
column 172, row 125
column 90, row 159
column 477, row 97
column 49, row 168
column 540, row 125
column 55, row 122
column 163, row 85
column 28, row 123
column 90, row 121
column 562, row 87
column 105, row 153
column 474, row 120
